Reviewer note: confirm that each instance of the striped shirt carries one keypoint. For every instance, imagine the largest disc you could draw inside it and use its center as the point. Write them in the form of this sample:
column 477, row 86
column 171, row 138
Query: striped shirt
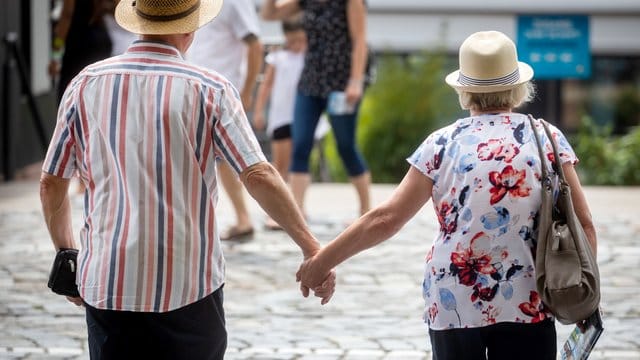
column 143, row 130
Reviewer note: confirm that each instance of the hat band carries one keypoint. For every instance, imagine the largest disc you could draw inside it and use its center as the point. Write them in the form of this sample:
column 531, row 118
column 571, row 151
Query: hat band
column 171, row 17
column 505, row 80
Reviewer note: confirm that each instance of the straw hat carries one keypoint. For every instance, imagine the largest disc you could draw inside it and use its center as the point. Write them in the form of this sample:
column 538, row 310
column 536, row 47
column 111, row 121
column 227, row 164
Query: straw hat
column 164, row 17
column 489, row 63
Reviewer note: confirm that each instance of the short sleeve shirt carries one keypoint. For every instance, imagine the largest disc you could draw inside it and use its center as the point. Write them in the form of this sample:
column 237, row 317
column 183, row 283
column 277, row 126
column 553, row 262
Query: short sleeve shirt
column 219, row 44
column 287, row 67
column 328, row 60
column 142, row 130
column 486, row 174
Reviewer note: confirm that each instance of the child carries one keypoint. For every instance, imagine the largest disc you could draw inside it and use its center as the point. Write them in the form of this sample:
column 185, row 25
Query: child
column 279, row 86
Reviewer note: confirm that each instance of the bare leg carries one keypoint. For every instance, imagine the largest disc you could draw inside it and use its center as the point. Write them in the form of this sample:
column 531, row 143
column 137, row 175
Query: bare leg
column 281, row 152
column 362, row 183
column 235, row 191
column 299, row 183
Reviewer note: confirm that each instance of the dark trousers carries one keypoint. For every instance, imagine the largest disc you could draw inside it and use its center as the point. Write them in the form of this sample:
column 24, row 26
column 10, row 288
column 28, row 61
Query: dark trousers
column 306, row 115
column 506, row 341
column 194, row 332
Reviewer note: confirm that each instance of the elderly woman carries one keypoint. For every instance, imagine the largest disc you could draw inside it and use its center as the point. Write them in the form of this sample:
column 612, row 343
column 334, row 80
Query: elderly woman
column 482, row 173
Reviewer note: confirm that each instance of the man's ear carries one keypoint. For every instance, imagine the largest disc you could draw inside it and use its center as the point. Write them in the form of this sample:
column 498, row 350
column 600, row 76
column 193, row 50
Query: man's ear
column 186, row 40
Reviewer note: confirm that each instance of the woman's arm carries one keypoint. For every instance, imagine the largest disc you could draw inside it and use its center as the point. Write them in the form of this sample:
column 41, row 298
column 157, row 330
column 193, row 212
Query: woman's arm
column 60, row 35
column 279, row 9
column 372, row 228
column 580, row 205
column 357, row 18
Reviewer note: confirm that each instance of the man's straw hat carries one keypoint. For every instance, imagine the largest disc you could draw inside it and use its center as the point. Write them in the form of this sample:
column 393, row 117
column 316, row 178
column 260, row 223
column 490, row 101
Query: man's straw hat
column 489, row 63
column 164, row 17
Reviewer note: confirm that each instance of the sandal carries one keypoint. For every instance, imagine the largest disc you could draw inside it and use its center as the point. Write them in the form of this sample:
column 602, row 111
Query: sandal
column 235, row 234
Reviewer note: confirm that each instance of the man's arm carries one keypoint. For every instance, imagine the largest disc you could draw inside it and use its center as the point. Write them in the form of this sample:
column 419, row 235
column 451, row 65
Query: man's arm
column 56, row 209
column 254, row 63
column 266, row 186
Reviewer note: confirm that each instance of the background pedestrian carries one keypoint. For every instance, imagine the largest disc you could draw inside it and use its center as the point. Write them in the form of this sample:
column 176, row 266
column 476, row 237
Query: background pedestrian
column 335, row 63
column 231, row 46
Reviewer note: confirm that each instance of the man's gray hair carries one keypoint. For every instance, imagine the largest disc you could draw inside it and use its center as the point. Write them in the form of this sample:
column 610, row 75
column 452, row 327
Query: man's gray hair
column 511, row 98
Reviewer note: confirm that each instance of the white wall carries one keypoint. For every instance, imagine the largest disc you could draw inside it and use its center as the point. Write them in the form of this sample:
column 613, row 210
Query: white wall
column 40, row 45
column 408, row 25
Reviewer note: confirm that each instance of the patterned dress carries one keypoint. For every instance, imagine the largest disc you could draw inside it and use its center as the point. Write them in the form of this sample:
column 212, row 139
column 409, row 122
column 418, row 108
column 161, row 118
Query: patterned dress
column 328, row 60
column 486, row 194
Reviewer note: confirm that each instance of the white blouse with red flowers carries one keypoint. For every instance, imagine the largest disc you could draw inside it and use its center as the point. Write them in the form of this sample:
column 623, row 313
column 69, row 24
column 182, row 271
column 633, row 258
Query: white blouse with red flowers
column 486, row 194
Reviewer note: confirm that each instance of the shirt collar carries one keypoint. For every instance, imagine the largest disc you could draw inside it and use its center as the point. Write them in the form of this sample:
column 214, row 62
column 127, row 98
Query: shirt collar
column 154, row 47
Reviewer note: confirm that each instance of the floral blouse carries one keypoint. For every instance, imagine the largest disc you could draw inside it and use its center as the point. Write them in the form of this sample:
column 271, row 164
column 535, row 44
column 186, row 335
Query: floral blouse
column 486, row 194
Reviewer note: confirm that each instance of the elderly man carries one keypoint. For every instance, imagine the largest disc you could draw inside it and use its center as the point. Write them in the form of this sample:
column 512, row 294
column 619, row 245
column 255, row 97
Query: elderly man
column 143, row 130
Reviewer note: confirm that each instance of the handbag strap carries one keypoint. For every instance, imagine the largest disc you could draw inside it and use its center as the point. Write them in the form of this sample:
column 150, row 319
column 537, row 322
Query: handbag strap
column 543, row 159
column 556, row 164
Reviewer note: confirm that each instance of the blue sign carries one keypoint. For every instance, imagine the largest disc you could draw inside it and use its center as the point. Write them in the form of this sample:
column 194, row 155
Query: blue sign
column 556, row 46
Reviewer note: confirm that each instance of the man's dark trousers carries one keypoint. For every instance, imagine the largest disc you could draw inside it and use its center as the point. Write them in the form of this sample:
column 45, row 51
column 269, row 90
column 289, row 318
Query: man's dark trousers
column 196, row 331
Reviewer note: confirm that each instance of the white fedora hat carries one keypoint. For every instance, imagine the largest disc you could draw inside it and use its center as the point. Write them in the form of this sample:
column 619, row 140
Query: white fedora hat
column 489, row 63
column 164, row 17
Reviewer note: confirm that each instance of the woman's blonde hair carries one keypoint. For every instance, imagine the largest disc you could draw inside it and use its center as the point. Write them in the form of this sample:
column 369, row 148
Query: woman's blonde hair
column 511, row 98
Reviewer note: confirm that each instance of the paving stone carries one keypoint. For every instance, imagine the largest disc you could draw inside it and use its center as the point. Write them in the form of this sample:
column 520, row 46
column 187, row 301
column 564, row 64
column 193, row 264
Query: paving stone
column 376, row 312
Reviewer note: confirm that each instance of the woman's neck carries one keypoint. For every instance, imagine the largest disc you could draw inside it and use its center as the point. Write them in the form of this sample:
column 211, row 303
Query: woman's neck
column 474, row 112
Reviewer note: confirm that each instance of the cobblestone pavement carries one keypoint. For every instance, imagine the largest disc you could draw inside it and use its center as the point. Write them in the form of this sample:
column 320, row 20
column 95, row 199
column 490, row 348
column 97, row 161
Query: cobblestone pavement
column 375, row 314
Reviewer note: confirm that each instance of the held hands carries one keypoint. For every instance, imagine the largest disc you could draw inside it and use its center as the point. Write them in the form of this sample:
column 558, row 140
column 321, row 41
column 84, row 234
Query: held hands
column 311, row 276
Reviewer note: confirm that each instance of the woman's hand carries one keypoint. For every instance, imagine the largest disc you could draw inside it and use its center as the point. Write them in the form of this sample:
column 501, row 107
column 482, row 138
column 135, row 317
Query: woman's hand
column 353, row 91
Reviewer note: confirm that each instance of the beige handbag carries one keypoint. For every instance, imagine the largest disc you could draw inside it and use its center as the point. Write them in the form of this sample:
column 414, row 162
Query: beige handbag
column 567, row 276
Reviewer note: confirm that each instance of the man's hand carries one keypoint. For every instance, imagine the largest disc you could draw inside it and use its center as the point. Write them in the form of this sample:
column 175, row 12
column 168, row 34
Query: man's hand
column 75, row 300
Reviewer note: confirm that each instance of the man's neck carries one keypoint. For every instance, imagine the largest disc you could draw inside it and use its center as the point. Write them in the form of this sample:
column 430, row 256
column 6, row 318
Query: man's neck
column 179, row 41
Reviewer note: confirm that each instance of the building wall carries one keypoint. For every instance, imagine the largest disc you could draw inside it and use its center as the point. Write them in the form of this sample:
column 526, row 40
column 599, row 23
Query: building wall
column 9, row 23
column 20, row 143
column 410, row 25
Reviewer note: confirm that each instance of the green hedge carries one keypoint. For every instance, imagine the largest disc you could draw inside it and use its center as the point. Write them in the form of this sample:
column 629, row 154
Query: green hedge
column 408, row 101
column 606, row 159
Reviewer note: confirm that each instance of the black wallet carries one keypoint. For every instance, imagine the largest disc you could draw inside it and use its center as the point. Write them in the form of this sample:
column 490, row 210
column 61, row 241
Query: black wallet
column 62, row 279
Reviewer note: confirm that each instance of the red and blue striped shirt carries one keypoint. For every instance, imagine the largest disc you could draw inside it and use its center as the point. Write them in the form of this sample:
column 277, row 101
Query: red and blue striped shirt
column 143, row 130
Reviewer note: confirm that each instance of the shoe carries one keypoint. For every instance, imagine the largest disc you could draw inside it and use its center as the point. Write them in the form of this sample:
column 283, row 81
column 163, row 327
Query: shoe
column 235, row 234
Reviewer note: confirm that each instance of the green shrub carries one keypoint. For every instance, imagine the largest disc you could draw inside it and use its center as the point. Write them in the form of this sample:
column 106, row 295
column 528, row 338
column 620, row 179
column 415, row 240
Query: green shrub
column 408, row 101
column 606, row 159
